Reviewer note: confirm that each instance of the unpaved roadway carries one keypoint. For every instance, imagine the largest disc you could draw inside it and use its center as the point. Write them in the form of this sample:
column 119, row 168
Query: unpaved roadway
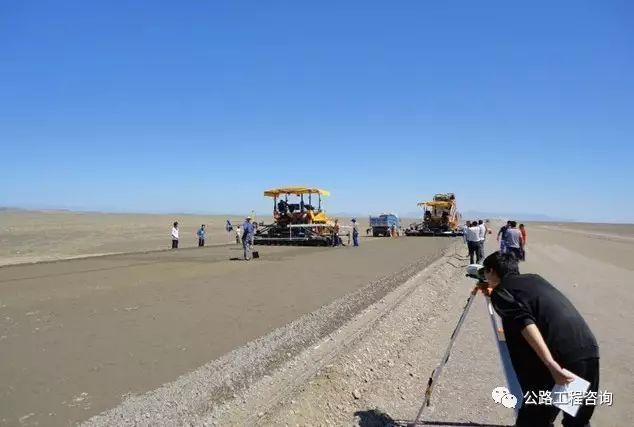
column 77, row 336
column 380, row 380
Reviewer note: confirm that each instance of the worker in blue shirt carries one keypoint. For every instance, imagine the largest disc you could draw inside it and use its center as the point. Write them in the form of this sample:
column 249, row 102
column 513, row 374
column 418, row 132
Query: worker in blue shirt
column 355, row 233
column 247, row 233
column 201, row 236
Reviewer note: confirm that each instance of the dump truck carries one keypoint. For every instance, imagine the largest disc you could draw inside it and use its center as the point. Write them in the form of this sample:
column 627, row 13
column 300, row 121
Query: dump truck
column 440, row 217
column 382, row 225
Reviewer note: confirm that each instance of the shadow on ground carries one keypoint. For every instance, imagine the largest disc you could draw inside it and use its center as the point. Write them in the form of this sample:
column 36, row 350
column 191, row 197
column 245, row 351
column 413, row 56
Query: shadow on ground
column 377, row 418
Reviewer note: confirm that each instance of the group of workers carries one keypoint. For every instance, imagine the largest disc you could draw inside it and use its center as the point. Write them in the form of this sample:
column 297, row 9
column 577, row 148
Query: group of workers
column 475, row 234
column 336, row 233
column 201, row 233
column 511, row 239
column 245, row 235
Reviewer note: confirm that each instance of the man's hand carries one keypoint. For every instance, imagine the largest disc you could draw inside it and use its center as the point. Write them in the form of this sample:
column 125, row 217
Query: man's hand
column 559, row 375
column 534, row 338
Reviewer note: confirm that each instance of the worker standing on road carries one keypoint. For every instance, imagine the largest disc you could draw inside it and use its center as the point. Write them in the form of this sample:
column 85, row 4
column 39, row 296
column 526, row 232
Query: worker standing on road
column 513, row 240
column 255, row 230
column 545, row 334
column 238, row 234
column 201, row 236
column 335, row 236
column 523, row 231
column 472, row 237
column 483, row 236
column 247, row 232
column 502, row 236
column 355, row 233
column 175, row 235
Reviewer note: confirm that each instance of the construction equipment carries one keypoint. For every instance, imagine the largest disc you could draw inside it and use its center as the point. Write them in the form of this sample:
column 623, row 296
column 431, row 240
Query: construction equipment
column 440, row 217
column 383, row 224
column 298, row 222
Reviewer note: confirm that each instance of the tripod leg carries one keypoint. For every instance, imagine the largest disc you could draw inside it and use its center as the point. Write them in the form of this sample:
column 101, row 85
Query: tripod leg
column 436, row 372
column 505, row 357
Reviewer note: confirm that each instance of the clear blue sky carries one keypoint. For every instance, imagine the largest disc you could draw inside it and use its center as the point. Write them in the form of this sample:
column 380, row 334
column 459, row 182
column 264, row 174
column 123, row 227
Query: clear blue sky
column 199, row 106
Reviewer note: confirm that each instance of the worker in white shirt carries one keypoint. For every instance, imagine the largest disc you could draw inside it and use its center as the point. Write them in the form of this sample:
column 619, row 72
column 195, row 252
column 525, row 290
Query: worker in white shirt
column 472, row 237
column 483, row 237
column 238, row 234
column 175, row 235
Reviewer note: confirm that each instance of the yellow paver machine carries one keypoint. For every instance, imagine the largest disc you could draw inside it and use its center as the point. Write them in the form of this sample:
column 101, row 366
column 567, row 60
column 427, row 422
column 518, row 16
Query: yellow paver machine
column 296, row 222
column 440, row 217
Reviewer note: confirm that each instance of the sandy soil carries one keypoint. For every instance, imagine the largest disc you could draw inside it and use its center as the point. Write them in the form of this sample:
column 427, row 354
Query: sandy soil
column 614, row 230
column 31, row 236
column 28, row 236
column 77, row 336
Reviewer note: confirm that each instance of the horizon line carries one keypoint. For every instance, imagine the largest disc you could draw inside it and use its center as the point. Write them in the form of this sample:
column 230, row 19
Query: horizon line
column 493, row 216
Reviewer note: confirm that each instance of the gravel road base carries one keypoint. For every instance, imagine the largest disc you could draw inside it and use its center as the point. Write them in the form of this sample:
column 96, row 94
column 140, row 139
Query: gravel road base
column 380, row 379
column 246, row 382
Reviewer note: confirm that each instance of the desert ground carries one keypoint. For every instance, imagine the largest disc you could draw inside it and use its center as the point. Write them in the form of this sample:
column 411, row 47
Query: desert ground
column 301, row 336
column 77, row 335
column 35, row 236
column 31, row 236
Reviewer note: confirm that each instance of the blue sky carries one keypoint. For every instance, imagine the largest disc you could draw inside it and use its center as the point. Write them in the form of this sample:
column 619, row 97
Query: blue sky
column 199, row 106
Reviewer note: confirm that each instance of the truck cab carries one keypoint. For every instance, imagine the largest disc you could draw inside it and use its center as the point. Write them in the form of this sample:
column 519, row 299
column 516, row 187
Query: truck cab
column 383, row 224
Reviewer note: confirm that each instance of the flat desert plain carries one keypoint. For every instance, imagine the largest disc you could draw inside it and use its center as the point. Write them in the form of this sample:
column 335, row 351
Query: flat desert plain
column 32, row 236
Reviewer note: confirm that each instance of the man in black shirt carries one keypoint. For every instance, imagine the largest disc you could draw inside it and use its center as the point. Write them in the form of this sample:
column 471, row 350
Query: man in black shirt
column 544, row 334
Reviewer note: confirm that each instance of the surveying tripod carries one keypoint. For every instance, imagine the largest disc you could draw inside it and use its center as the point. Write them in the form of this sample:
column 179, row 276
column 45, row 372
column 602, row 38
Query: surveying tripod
column 511, row 378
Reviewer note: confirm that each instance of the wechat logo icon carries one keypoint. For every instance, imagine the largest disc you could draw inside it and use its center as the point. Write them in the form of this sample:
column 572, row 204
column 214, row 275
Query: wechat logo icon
column 503, row 396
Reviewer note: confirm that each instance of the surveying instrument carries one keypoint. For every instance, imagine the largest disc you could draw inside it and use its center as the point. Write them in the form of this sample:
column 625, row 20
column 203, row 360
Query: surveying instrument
column 476, row 271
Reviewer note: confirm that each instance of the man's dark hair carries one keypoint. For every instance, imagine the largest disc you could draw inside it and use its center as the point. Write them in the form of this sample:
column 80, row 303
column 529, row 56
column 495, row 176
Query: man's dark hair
column 521, row 225
column 175, row 223
column 503, row 264
column 513, row 224
column 480, row 221
column 509, row 222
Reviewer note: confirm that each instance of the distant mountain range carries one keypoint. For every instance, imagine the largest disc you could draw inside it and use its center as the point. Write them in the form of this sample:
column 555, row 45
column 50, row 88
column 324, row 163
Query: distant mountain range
column 470, row 214
column 519, row 216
